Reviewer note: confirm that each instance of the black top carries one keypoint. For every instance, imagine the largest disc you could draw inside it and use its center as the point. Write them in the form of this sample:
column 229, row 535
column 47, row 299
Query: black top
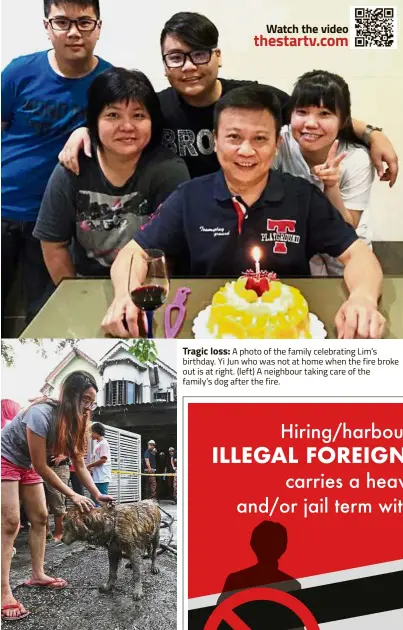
column 199, row 228
column 101, row 218
column 151, row 457
column 189, row 130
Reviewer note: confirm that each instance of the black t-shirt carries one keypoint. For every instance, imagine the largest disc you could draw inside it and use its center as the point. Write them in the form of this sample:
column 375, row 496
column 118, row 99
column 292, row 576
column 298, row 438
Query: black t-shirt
column 101, row 217
column 188, row 130
column 152, row 459
column 169, row 460
column 199, row 228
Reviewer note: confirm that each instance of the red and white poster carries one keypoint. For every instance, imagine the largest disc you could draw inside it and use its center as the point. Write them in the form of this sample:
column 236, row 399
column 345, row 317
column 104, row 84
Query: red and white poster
column 304, row 499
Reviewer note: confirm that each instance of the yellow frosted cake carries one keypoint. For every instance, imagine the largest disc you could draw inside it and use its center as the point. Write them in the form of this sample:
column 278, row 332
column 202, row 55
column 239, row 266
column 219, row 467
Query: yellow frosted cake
column 258, row 308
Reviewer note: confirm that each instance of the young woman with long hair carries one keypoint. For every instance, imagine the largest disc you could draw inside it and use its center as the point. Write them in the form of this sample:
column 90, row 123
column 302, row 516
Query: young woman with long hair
column 47, row 427
column 320, row 145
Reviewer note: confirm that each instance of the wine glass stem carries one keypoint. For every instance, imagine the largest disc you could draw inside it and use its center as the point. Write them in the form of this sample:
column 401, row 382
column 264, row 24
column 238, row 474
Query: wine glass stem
column 150, row 315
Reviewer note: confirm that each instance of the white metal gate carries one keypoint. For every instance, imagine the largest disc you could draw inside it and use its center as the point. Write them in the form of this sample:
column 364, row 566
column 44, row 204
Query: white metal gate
column 125, row 460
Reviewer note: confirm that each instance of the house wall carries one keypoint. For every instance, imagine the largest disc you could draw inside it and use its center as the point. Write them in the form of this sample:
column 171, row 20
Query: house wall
column 165, row 381
column 126, row 372
column 77, row 364
column 122, row 371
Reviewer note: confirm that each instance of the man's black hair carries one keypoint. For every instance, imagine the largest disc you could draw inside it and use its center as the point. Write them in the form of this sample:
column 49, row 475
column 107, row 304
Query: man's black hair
column 47, row 5
column 255, row 97
column 98, row 428
column 192, row 29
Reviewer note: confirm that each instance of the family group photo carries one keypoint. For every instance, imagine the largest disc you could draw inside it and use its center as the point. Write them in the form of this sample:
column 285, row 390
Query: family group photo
column 172, row 180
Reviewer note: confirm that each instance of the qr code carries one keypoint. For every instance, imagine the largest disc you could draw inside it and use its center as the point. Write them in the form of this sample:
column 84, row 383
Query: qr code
column 373, row 27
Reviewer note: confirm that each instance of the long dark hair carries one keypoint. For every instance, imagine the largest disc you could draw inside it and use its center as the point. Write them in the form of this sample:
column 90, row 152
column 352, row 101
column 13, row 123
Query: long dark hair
column 73, row 426
column 320, row 88
column 117, row 85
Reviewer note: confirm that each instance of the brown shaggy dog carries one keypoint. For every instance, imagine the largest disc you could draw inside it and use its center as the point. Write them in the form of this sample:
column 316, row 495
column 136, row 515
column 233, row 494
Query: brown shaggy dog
column 125, row 530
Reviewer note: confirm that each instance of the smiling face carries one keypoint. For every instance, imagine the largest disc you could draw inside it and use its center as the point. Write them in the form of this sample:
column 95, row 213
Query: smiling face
column 73, row 45
column 88, row 399
column 124, row 128
column 246, row 145
column 314, row 128
column 191, row 81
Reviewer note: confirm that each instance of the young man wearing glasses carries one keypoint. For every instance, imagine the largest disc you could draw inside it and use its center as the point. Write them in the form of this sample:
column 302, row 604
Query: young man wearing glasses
column 192, row 59
column 43, row 101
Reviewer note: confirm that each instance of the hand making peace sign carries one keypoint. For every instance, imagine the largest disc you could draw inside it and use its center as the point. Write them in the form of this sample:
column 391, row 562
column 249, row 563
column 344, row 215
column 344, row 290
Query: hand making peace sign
column 329, row 172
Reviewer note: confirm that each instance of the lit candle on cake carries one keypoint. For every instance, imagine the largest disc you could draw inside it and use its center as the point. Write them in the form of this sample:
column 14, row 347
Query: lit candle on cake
column 258, row 281
column 256, row 258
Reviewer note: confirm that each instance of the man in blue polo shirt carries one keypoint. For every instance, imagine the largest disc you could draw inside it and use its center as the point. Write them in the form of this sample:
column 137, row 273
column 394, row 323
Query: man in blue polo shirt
column 209, row 225
column 44, row 97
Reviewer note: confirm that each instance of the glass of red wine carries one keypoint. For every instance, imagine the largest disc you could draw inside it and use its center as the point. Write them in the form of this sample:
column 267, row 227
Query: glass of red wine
column 153, row 291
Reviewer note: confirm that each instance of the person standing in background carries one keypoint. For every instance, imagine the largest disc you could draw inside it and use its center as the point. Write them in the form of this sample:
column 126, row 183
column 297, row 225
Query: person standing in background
column 174, row 464
column 74, row 480
column 43, row 99
column 150, row 464
column 9, row 409
column 161, row 469
column 100, row 467
column 169, row 469
column 55, row 500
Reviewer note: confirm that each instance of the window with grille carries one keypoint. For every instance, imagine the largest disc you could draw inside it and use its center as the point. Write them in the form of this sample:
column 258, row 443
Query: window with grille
column 154, row 376
column 161, row 397
column 138, row 394
column 123, row 393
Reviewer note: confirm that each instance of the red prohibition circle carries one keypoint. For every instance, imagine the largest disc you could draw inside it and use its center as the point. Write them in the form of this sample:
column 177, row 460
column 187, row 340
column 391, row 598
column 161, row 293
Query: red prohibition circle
column 225, row 610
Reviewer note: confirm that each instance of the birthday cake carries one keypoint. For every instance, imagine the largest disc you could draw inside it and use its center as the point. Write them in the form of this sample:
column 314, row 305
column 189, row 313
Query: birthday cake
column 258, row 307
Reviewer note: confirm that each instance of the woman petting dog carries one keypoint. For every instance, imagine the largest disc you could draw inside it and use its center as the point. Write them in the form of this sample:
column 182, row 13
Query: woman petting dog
column 47, row 426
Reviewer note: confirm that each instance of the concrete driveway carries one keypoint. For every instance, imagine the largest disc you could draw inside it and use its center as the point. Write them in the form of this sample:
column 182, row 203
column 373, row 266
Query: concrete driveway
column 81, row 605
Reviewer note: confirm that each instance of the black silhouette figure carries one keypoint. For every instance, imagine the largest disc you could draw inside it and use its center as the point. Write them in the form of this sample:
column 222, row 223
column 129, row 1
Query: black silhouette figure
column 268, row 542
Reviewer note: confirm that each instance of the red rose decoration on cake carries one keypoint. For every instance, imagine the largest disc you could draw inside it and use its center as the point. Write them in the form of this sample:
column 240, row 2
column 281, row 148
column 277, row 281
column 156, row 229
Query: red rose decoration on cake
column 259, row 283
column 259, row 286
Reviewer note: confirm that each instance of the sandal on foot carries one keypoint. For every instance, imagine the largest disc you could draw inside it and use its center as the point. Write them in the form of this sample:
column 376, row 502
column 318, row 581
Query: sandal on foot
column 17, row 605
column 55, row 583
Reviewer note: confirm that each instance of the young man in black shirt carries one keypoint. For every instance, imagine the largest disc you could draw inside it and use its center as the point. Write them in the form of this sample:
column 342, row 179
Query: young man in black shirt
column 150, row 467
column 192, row 59
column 209, row 225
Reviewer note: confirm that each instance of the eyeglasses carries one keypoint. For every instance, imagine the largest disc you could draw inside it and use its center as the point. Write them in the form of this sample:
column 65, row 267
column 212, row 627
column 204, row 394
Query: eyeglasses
column 89, row 404
column 197, row 57
column 84, row 25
